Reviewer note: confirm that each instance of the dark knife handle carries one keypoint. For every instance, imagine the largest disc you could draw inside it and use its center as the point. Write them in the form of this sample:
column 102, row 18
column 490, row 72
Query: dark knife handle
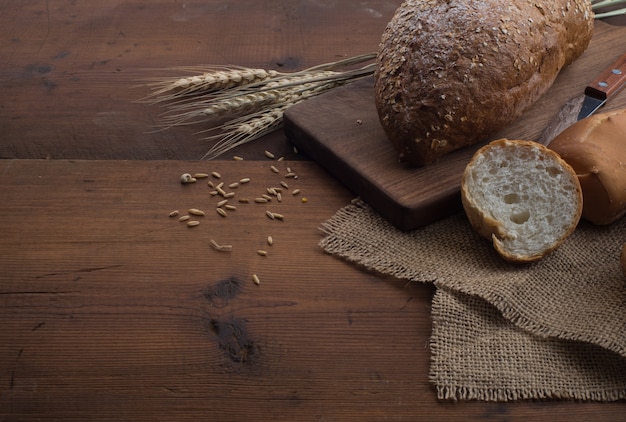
column 610, row 81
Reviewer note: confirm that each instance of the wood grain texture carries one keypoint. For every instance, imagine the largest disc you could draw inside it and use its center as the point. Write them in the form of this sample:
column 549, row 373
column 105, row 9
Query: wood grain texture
column 69, row 71
column 341, row 131
column 111, row 310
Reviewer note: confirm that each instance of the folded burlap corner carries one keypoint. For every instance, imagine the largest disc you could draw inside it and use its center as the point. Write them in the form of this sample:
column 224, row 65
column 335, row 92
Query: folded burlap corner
column 552, row 329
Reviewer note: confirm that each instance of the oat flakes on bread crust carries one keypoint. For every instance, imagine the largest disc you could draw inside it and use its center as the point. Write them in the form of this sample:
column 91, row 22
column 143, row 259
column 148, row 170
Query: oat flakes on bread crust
column 523, row 197
column 450, row 73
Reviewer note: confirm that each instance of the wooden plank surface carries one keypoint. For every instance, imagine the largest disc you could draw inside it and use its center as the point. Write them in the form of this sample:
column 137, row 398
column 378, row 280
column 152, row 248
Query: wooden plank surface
column 341, row 131
column 69, row 71
column 112, row 310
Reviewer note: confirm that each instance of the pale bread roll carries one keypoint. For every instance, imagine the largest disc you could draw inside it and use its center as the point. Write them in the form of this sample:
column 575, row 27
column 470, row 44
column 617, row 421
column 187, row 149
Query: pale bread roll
column 596, row 148
column 523, row 197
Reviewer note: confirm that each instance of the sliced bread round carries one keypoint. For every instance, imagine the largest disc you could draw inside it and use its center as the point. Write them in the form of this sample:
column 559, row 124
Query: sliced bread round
column 523, row 197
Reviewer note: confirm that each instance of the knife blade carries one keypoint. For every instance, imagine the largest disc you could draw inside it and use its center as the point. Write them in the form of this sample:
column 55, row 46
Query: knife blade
column 605, row 86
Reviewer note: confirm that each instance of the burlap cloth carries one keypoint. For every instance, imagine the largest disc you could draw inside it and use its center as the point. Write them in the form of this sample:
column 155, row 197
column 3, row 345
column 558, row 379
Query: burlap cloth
column 552, row 329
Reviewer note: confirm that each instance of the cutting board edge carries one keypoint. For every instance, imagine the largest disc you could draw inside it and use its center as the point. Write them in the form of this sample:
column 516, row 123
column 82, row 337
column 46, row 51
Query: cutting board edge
column 400, row 213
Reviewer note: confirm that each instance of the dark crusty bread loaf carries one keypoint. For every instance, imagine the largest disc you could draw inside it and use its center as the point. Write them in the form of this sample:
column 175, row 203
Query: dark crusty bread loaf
column 596, row 148
column 452, row 72
column 523, row 197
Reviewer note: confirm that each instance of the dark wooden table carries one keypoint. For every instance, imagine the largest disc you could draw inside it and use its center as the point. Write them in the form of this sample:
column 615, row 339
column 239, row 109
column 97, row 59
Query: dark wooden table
column 112, row 310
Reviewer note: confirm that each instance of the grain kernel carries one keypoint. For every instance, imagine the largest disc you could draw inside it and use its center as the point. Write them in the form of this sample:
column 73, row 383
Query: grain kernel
column 222, row 248
column 284, row 184
column 270, row 240
column 245, row 180
column 260, row 200
column 174, row 213
column 295, row 192
column 201, row 175
column 266, row 196
column 244, row 200
column 216, row 175
column 228, row 195
column 222, row 203
column 234, row 185
column 256, row 280
column 184, row 218
column 230, row 207
column 221, row 212
column 270, row 215
column 237, row 158
column 278, row 216
column 274, row 169
column 262, row 252
column 269, row 155
column 193, row 223
column 185, row 178
column 196, row 212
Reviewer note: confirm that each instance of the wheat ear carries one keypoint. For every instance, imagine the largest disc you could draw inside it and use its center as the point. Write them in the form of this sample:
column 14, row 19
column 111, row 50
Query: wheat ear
column 252, row 101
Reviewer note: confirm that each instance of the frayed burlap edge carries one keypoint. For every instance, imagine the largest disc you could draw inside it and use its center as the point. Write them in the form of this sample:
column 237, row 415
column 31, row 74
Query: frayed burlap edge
column 461, row 369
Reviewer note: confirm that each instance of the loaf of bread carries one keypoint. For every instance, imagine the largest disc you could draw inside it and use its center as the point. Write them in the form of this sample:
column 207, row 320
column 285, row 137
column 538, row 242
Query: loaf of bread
column 523, row 197
column 596, row 148
column 452, row 72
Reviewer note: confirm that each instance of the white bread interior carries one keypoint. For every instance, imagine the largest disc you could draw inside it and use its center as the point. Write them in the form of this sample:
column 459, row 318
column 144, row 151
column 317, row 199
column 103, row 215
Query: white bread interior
column 523, row 197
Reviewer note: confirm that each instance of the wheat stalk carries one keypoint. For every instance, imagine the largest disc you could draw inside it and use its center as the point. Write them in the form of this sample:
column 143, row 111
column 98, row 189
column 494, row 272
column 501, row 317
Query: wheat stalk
column 600, row 4
column 253, row 100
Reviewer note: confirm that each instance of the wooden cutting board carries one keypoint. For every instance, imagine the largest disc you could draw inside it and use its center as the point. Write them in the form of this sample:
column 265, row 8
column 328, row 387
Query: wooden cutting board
column 340, row 130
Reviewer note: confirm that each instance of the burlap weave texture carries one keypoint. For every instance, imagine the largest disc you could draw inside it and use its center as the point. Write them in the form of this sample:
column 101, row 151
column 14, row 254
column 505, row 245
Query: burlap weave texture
column 567, row 311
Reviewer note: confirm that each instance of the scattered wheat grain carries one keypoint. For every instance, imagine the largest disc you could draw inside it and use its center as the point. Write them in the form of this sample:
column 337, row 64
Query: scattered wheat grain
column 201, row 175
column 245, row 180
column 270, row 240
column 256, row 279
column 234, row 185
column 295, row 192
column 174, row 213
column 221, row 248
column 221, row 212
column 222, row 203
column 237, row 158
column 216, row 175
column 196, row 212
column 185, row 178
column 193, row 223
column 230, row 207
column 269, row 155
column 229, row 195
column 284, row 184
column 184, row 218
column 262, row 252
column 275, row 170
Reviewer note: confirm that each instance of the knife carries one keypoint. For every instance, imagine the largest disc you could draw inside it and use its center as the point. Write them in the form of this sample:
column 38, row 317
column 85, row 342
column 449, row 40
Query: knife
column 605, row 86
